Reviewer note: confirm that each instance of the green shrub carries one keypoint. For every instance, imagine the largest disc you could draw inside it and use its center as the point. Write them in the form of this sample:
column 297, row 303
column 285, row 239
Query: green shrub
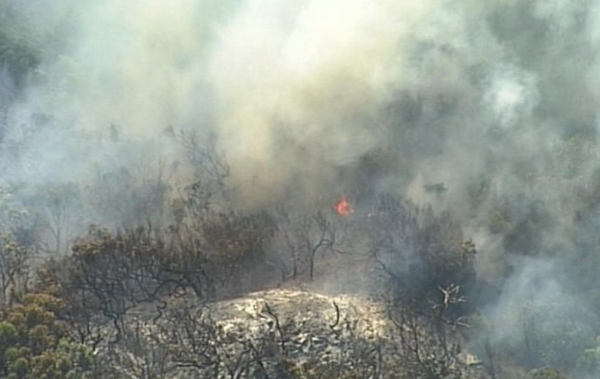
column 34, row 344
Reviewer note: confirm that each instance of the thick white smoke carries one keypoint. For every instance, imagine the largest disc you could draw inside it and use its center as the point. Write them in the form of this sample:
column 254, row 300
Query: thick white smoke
column 487, row 109
column 323, row 97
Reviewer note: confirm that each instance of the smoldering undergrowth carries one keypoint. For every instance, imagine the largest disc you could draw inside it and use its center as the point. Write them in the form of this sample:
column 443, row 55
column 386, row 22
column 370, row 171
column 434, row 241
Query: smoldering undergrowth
column 172, row 116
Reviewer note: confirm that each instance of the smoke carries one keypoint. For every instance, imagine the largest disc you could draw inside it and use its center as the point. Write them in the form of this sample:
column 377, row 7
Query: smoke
column 304, row 96
column 487, row 110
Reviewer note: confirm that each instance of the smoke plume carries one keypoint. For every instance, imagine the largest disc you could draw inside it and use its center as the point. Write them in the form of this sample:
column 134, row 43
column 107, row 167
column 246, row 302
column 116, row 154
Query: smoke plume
column 486, row 110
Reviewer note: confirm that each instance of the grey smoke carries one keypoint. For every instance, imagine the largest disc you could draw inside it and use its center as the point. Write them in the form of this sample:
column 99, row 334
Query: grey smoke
column 495, row 100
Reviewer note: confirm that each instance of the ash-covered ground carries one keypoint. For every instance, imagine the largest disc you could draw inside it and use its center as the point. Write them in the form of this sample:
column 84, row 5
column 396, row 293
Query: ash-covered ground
column 276, row 333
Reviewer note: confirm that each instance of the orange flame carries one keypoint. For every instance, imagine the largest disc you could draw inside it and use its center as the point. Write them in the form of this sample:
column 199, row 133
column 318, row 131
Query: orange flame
column 343, row 207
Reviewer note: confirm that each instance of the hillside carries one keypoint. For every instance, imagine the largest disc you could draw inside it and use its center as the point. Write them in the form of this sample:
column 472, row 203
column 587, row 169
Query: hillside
column 274, row 334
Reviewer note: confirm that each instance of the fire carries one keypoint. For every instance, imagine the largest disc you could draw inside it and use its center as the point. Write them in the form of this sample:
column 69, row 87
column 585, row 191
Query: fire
column 343, row 207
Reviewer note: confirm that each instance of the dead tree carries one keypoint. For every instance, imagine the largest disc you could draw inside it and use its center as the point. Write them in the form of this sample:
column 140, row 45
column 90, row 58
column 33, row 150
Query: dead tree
column 286, row 241
column 304, row 237
column 418, row 352
column 443, row 312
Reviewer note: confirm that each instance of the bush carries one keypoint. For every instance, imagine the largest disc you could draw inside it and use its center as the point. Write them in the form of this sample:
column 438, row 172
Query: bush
column 35, row 344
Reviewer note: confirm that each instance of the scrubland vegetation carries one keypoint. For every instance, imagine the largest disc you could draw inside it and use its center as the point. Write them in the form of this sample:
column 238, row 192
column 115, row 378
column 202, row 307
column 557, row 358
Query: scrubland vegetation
column 161, row 159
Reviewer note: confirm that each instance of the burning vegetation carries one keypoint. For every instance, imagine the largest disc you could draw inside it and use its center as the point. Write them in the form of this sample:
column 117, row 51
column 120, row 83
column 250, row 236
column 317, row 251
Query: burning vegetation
column 343, row 207
column 275, row 189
